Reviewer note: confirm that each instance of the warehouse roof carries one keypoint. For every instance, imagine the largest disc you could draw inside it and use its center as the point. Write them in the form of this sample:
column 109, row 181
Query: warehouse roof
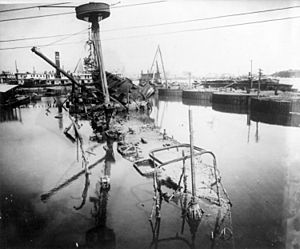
column 5, row 87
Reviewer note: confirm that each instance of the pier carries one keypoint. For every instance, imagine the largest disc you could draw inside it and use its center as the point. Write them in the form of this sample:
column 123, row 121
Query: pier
column 167, row 92
column 233, row 98
column 275, row 105
column 197, row 95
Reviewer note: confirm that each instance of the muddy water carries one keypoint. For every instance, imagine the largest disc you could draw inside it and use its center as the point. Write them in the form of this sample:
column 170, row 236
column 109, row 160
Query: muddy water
column 258, row 163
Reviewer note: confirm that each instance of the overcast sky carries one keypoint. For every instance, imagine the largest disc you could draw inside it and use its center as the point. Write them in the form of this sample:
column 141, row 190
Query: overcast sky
column 272, row 46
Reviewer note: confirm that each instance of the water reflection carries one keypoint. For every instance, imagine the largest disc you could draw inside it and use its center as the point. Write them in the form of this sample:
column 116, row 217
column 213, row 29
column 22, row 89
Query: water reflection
column 156, row 223
column 221, row 235
column 276, row 119
column 253, row 173
column 170, row 98
column 195, row 102
column 292, row 119
column 85, row 191
column 20, row 221
column 208, row 198
column 45, row 197
column 10, row 114
column 100, row 236
column 60, row 123
column 256, row 133
column 249, row 128
column 239, row 109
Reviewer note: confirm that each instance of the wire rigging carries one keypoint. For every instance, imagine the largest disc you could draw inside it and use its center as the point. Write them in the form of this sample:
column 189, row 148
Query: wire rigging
column 159, row 24
column 77, row 33
column 39, row 37
column 33, row 7
column 68, row 13
column 35, row 17
column 205, row 18
column 210, row 28
column 60, row 44
column 179, row 31
column 111, row 6
column 137, row 4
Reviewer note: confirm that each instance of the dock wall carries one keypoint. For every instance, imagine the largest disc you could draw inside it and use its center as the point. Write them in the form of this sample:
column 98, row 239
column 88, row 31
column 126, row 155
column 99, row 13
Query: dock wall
column 190, row 97
column 231, row 98
column 268, row 105
column 170, row 98
column 197, row 95
column 55, row 90
column 277, row 119
column 196, row 102
column 229, row 108
column 169, row 92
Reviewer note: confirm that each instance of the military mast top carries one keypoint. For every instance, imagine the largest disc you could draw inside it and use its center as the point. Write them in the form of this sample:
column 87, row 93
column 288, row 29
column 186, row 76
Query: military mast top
column 94, row 13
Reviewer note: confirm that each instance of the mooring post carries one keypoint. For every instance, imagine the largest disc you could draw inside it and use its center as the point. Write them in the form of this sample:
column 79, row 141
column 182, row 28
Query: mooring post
column 20, row 114
column 259, row 79
column 194, row 212
column 184, row 172
column 251, row 77
column 192, row 153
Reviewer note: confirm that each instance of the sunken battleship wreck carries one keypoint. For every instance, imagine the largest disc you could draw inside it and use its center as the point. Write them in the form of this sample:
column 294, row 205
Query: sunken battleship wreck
column 181, row 175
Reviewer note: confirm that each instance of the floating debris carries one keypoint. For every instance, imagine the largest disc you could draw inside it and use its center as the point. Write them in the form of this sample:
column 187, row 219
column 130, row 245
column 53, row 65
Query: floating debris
column 145, row 167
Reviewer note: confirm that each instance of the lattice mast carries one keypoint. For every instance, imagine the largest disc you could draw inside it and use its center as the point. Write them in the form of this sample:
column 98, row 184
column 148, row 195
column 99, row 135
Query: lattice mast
column 94, row 13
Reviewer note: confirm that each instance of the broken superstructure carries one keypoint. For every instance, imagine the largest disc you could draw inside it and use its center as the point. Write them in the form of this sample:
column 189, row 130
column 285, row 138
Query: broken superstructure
column 172, row 180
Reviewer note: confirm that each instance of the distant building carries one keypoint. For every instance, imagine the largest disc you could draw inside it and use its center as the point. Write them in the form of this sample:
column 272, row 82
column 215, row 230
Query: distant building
column 152, row 78
column 7, row 77
column 46, row 78
column 20, row 78
column 83, row 78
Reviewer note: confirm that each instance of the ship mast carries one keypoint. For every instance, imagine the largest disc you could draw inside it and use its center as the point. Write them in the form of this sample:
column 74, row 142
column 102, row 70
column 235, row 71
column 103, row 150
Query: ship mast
column 158, row 52
column 94, row 13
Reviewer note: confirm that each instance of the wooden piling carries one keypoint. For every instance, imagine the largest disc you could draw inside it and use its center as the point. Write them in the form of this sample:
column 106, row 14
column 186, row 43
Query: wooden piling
column 192, row 153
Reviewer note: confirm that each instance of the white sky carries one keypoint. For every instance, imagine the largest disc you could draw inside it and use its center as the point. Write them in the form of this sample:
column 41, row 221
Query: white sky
column 272, row 46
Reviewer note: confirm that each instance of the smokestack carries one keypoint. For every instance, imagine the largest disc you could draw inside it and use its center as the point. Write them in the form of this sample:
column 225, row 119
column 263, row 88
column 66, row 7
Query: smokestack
column 57, row 62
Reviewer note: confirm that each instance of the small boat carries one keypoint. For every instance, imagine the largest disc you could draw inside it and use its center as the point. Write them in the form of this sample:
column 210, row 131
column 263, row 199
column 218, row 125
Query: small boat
column 171, row 167
column 145, row 167
column 127, row 150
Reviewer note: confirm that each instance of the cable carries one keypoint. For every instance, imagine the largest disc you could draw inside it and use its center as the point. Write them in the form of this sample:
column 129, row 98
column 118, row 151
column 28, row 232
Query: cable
column 52, row 43
column 32, row 7
column 203, row 19
column 34, row 17
column 45, row 45
column 153, row 25
column 64, row 43
column 111, row 6
column 38, row 37
column 137, row 4
column 168, row 23
column 185, row 30
column 67, row 13
column 209, row 28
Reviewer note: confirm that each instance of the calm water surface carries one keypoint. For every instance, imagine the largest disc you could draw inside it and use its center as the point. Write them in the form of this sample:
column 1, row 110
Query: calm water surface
column 254, row 158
